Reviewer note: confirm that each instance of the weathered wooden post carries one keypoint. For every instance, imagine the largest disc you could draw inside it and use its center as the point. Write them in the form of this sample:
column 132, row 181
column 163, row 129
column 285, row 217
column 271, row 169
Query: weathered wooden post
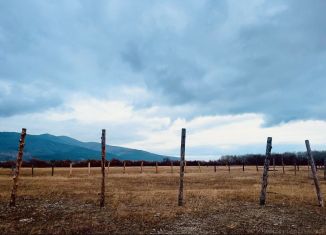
column 171, row 167
column 141, row 166
column 295, row 166
column 257, row 164
column 214, row 168
column 308, row 167
column 274, row 164
column 182, row 165
column 70, row 173
column 243, row 165
column 32, row 170
column 17, row 170
column 185, row 167
column 229, row 167
column 124, row 167
column 52, row 169
column 156, row 168
column 314, row 174
column 325, row 169
column 108, row 168
column 89, row 168
column 264, row 182
column 199, row 166
column 102, row 199
column 283, row 164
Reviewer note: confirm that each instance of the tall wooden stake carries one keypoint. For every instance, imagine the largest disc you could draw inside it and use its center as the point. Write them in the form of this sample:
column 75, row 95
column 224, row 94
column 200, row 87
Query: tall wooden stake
column 156, row 168
column 229, row 167
column 124, row 167
column 264, row 182
column 108, row 168
column 52, row 169
column 17, row 170
column 171, row 167
column 199, row 166
column 283, row 165
column 325, row 169
column 32, row 170
column 70, row 173
column 214, row 168
column 243, row 165
column 102, row 199
column 314, row 174
column 274, row 165
column 182, row 165
column 141, row 167
column 295, row 167
column 89, row 168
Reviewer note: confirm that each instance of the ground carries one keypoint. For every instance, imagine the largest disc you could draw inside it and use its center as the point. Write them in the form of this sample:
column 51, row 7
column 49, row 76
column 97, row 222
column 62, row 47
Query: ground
column 215, row 202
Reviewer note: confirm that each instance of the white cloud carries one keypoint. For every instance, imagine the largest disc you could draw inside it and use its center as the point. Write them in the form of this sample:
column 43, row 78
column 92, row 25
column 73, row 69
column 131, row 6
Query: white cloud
column 146, row 129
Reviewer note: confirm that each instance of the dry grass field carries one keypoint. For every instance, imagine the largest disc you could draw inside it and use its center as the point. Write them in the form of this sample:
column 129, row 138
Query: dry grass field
column 215, row 202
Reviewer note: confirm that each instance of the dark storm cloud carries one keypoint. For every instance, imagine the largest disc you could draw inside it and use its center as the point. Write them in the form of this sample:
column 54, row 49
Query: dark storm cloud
column 219, row 56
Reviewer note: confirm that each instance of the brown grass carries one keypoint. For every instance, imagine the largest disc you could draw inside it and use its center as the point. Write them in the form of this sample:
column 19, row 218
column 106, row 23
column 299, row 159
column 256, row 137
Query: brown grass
column 220, row 202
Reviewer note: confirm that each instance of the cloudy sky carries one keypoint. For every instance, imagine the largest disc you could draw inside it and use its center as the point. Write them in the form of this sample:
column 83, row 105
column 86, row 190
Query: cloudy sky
column 231, row 72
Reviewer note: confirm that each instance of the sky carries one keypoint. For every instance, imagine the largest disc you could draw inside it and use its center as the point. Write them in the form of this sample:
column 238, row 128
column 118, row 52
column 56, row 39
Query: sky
column 231, row 72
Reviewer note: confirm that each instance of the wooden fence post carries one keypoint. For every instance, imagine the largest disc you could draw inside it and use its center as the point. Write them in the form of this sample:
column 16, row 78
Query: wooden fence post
column 274, row 168
column 264, row 182
column 89, row 168
column 295, row 167
column 308, row 167
column 108, row 168
column 182, row 166
column 156, row 168
column 70, row 173
column 185, row 166
column 17, row 170
column 102, row 199
column 243, row 165
column 52, row 169
column 124, row 167
column 171, row 167
column 325, row 169
column 214, row 168
column 314, row 174
column 229, row 167
column 32, row 170
column 199, row 166
column 141, row 166
column 283, row 165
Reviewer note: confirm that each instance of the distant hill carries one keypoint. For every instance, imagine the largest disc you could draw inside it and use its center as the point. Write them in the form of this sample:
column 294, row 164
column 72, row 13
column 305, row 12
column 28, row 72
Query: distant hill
column 49, row 147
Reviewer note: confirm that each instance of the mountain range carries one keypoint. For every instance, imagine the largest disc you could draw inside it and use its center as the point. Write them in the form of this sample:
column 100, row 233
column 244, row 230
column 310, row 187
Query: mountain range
column 49, row 147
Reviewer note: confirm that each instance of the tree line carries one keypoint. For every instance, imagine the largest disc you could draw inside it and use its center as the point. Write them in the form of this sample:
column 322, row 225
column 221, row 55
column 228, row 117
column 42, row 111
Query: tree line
column 288, row 158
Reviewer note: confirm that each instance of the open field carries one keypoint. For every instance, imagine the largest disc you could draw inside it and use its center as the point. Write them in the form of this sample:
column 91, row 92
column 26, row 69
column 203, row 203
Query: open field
column 219, row 202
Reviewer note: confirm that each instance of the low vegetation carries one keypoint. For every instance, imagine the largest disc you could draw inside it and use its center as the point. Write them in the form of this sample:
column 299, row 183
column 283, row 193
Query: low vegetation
column 220, row 202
